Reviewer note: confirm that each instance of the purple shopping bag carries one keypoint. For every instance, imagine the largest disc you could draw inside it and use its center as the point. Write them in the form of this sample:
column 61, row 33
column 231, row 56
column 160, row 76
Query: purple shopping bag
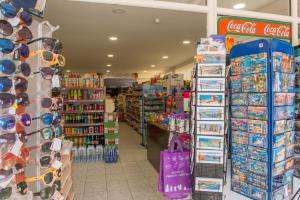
column 175, row 179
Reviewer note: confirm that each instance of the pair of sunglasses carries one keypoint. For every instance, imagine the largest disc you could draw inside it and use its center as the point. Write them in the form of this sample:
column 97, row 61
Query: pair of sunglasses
column 8, row 67
column 7, row 46
column 9, row 121
column 20, row 84
column 7, row 100
column 23, row 34
column 49, row 133
column 48, row 72
column 49, row 44
column 49, row 118
column 9, row 161
column 47, row 178
column 49, row 57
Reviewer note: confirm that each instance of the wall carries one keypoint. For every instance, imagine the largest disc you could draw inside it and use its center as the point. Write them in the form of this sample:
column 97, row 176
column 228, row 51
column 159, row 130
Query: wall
column 186, row 70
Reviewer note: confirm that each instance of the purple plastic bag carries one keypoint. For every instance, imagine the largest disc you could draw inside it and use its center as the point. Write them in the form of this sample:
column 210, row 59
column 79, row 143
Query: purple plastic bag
column 175, row 179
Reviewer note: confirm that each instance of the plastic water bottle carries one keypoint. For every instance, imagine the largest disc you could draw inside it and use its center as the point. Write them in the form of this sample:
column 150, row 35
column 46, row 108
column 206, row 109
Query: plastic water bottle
column 90, row 153
column 99, row 152
column 82, row 154
column 75, row 154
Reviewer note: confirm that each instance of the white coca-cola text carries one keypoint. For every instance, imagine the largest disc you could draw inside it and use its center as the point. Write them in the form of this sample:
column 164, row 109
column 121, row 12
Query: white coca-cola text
column 245, row 27
column 280, row 31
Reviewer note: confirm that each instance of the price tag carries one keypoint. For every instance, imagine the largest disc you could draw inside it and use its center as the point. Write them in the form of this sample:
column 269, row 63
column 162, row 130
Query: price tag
column 55, row 81
column 56, row 145
column 16, row 148
column 57, row 196
column 56, row 164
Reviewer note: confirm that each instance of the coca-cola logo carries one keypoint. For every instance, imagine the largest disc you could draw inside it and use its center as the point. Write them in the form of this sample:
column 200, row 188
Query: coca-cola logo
column 245, row 27
column 280, row 31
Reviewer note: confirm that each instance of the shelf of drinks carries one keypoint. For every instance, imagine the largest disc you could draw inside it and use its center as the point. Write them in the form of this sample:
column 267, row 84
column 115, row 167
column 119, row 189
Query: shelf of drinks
column 83, row 100
column 82, row 124
column 82, row 88
column 154, row 104
column 146, row 98
column 83, row 135
column 85, row 111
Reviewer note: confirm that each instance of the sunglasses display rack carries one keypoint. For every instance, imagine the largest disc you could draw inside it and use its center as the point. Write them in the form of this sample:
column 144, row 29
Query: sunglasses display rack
column 83, row 111
column 297, row 120
column 153, row 101
column 111, row 133
column 134, row 108
column 262, row 110
column 208, row 119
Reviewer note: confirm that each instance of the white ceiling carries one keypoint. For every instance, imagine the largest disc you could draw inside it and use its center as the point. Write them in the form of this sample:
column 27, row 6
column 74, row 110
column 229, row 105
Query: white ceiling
column 85, row 28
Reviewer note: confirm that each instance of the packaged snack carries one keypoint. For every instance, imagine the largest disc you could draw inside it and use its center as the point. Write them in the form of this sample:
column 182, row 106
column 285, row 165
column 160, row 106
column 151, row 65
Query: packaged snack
column 257, row 126
column 259, row 82
column 279, row 126
column 239, row 99
column 239, row 124
column 236, row 85
column 257, row 153
column 257, row 193
column 280, row 99
column 240, row 137
column 257, row 180
column 258, row 140
column 239, row 111
column 290, row 99
column 247, row 82
column 279, row 154
column 259, row 113
column 279, row 140
column 257, row 99
column 257, row 167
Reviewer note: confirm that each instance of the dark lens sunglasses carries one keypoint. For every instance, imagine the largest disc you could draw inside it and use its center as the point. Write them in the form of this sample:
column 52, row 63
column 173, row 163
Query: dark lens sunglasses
column 7, row 46
column 6, row 28
column 8, row 10
column 9, row 121
column 49, row 44
column 7, row 100
column 8, row 67
column 49, row 118
column 24, row 35
column 47, row 72
column 21, row 84
column 45, row 193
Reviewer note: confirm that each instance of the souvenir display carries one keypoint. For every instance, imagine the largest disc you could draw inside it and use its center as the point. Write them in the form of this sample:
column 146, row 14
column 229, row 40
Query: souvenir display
column 262, row 106
column 208, row 127
column 297, row 118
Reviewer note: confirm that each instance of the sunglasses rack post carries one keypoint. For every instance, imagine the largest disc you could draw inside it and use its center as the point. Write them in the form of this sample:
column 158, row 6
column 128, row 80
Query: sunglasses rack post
column 208, row 126
column 83, row 112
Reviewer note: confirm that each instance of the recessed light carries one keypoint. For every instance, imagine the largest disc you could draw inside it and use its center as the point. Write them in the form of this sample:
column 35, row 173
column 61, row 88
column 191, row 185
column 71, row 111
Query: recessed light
column 165, row 57
column 118, row 10
column 110, row 55
column 152, row 66
column 186, row 42
column 68, row 71
column 108, row 65
column 107, row 71
column 113, row 38
column 145, row 71
column 239, row 6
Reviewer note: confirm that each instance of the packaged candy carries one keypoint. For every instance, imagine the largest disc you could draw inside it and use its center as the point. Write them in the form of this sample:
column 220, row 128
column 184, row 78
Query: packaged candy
column 259, row 113
column 236, row 85
column 258, row 140
column 257, row 99
column 239, row 111
column 257, row 126
column 279, row 154
column 239, row 124
column 240, row 137
column 239, row 99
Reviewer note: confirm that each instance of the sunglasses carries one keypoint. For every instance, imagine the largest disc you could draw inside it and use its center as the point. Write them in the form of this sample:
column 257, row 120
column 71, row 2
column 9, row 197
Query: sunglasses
column 5, row 193
column 9, row 121
column 23, row 35
column 49, row 118
column 48, row 133
column 7, row 46
column 7, row 100
column 6, row 29
column 6, row 83
column 22, row 18
column 48, row 178
column 45, row 161
column 8, row 67
column 48, row 72
column 45, row 193
column 8, row 10
column 49, row 44
column 49, row 57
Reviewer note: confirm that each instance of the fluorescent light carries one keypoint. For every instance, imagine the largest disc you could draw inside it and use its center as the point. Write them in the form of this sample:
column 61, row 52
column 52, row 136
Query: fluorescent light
column 108, row 65
column 186, row 42
column 165, row 57
column 113, row 38
column 145, row 71
column 239, row 6
column 152, row 66
column 110, row 55
column 107, row 71
column 68, row 71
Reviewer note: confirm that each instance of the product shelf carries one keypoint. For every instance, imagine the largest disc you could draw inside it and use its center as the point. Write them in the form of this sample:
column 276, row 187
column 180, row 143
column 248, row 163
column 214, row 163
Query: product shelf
column 82, row 88
column 83, row 100
column 83, row 135
column 83, row 124
column 86, row 111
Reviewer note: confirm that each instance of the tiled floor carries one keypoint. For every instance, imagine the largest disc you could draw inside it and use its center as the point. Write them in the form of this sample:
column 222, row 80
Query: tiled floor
column 133, row 178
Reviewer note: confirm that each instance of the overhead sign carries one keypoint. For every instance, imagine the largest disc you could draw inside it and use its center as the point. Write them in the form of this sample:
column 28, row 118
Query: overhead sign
column 228, row 25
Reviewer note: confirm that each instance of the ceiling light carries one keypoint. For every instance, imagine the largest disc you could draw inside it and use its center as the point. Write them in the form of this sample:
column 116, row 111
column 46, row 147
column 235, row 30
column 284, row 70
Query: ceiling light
column 68, row 71
column 186, row 42
column 118, row 10
column 239, row 6
column 108, row 65
column 145, row 71
column 113, row 38
column 165, row 57
column 107, row 71
column 156, row 20
column 110, row 55
column 152, row 66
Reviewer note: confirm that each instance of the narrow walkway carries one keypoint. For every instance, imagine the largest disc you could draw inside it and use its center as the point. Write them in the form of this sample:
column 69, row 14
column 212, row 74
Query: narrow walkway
column 133, row 178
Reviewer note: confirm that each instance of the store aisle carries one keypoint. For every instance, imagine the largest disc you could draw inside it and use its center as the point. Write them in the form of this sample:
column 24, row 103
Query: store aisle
column 133, row 178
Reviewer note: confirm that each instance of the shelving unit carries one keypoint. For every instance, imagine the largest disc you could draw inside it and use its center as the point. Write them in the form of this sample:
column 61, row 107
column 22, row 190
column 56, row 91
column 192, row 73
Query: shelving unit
column 111, row 134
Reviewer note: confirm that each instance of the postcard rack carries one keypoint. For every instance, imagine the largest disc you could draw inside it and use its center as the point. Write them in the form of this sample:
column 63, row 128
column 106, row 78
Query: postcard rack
column 207, row 121
column 262, row 110
column 297, row 120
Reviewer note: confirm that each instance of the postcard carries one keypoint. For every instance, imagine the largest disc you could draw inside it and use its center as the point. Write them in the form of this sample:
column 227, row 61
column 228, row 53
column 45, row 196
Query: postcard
column 208, row 184
column 259, row 113
column 239, row 111
column 210, row 113
column 240, row 137
column 236, row 85
column 209, row 156
column 211, row 70
column 210, row 127
column 239, row 99
column 205, row 57
column 257, row 126
column 210, row 142
column 239, row 124
column 211, row 99
column 211, row 84
column 257, row 99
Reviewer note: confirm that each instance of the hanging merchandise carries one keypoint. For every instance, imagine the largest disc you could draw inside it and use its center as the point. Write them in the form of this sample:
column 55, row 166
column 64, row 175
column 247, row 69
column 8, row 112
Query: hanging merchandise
column 262, row 110
column 207, row 119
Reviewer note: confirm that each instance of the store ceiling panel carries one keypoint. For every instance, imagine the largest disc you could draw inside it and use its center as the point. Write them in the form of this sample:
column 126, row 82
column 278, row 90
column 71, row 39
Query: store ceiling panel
column 85, row 28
